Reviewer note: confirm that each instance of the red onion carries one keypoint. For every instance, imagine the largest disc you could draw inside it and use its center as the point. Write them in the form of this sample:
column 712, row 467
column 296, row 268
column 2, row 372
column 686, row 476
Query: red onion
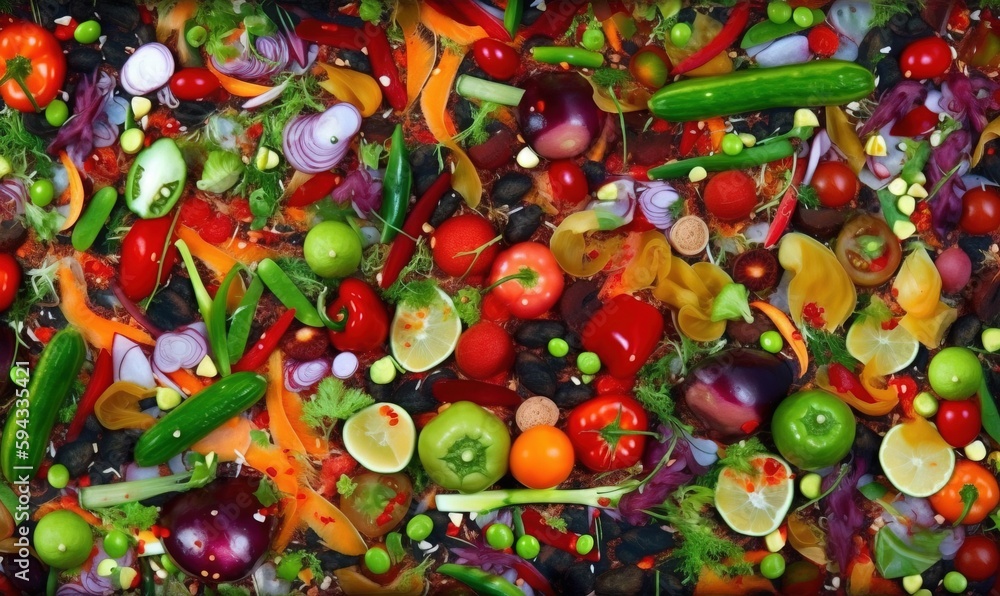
column 655, row 199
column 558, row 116
column 345, row 364
column 317, row 142
column 820, row 145
column 135, row 312
column 166, row 97
column 894, row 104
column 623, row 206
column 179, row 349
column 147, row 69
column 266, row 97
column 955, row 268
column 130, row 363
column 77, row 134
column 362, row 189
column 300, row 376
column 270, row 58
column 12, row 195
column 165, row 381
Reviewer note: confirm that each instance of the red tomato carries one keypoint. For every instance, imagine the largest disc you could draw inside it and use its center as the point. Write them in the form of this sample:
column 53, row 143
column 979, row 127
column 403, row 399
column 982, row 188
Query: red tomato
column 569, row 183
column 535, row 279
column 42, row 66
column 496, row 58
column 925, row 58
column 959, row 422
column 595, row 428
column 193, row 83
column 980, row 210
column 731, row 195
column 948, row 501
column 835, row 184
column 918, row 121
column 651, row 67
column 379, row 502
column 10, row 280
column 140, row 257
column 978, row 558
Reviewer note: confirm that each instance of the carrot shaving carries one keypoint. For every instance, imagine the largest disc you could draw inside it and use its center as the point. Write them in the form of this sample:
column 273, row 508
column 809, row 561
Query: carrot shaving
column 236, row 86
column 433, row 103
column 717, row 130
column 420, row 53
column 443, row 26
column 334, row 529
column 281, row 467
column 68, row 503
column 281, row 430
column 98, row 331
column 221, row 259
column 73, row 193
column 226, row 441
column 289, row 523
column 188, row 383
column 788, row 331
column 313, row 443
column 612, row 34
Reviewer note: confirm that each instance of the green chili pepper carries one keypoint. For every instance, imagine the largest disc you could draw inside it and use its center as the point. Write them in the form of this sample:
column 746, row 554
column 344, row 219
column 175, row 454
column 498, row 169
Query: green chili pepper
column 748, row 158
column 148, row 584
column 570, row 55
column 242, row 320
column 395, row 191
column 288, row 293
column 93, row 219
column 485, row 584
column 766, row 31
column 988, row 409
column 216, row 324
column 512, row 16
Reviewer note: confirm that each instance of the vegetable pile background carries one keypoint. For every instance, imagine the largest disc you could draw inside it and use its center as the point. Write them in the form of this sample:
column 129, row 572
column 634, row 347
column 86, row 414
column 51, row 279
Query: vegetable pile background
column 500, row 297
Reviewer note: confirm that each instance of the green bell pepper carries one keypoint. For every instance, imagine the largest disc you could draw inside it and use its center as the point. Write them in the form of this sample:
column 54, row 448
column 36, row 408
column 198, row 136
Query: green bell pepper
column 465, row 448
column 156, row 179
column 813, row 429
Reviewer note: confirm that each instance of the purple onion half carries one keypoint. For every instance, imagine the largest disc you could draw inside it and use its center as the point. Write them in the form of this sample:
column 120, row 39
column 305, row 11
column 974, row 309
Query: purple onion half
column 558, row 116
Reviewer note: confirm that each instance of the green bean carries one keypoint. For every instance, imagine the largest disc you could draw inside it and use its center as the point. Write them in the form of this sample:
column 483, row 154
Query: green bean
column 94, row 217
column 242, row 319
column 288, row 293
column 570, row 55
column 748, row 158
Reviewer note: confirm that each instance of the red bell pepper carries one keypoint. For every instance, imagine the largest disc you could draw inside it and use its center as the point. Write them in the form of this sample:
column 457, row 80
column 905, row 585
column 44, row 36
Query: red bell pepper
column 472, row 12
column 624, row 333
column 357, row 320
column 450, row 391
column 266, row 344
column 332, row 34
column 404, row 245
column 786, row 208
column 314, row 189
column 99, row 382
column 534, row 525
column 738, row 19
column 844, row 381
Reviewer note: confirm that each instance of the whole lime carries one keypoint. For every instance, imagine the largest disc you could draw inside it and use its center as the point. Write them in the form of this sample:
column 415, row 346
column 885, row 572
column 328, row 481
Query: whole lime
column 955, row 373
column 63, row 539
column 332, row 249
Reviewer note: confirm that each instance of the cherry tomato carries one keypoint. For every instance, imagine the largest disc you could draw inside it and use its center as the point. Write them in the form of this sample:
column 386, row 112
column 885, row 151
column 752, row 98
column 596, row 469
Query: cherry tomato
column 595, row 428
column 541, row 457
column 539, row 283
column 193, row 83
column 980, row 210
column 925, row 58
column 731, row 195
column 10, row 280
column 948, row 501
column 496, row 58
column 868, row 250
column 569, row 183
column 835, row 184
column 140, row 257
column 959, row 422
column 651, row 67
column 978, row 558
column 379, row 502
column 918, row 121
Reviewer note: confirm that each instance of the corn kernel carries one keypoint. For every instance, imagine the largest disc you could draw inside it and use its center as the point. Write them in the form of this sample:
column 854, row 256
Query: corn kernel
column 527, row 159
column 975, row 451
column 906, row 204
column 875, row 146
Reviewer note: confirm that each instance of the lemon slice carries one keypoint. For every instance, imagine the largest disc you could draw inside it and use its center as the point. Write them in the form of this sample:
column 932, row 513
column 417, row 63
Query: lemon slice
column 381, row 437
column 915, row 459
column 889, row 350
column 422, row 338
column 755, row 504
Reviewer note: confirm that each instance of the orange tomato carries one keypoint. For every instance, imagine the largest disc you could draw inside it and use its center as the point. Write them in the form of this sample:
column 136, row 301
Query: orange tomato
column 542, row 457
column 948, row 501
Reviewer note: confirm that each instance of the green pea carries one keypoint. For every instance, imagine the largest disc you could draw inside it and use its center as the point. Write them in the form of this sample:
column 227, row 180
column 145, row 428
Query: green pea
column 558, row 347
column 57, row 112
column 499, row 536
column 803, row 17
column 58, row 476
column 168, row 564
column 955, row 582
column 589, row 363
column 377, row 560
column 420, row 527
column 732, row 144
column 680, row 34
column 771, row 341
column 196, row 36
column 779, row 11
column 527, row 547
column 593, row 40
column 42, row 192
column 772, row 566
column 116, row 544
column 87, row 32
column 584, row 544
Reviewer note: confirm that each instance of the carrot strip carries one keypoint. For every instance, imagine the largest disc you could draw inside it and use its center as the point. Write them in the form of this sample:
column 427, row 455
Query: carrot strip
column 189, row 383
column 444, row 26
column 221, row 259
column 71, row 504
column 74, row 192
column 420, row 54
column 717, row 130
column 282, row 468
column 334, row 529
column 226, row 441
column 236, row 86
column 788, row 331
column 98, row 331
column 289, row 523
column 281, row 430
column 314, row 444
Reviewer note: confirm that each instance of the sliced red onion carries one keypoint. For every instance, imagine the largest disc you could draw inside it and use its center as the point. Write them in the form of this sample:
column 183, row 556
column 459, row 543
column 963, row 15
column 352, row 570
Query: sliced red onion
column 166, row 381
column 820, row 145
column 311, row 55
column 793, row 49
column 179, row 349
column 933, row 101
column 266, row 97
column 362, row 188
column 166, row 97
column 270, row 58
column 12, row 197
column 623, row 205
column 345, row 364
column 317, row 142
column 147, row 69
column 135, row 312
column 105, row 133
column 130, row 363
column 300, row 376
column 655, row 199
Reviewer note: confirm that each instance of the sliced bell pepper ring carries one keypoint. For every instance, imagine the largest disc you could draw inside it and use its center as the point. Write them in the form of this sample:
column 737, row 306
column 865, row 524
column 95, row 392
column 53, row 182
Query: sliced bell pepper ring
column 266, row 344
column 450, row 391
column 404, row 245
column 473, row 12
column 788, row 331
column 738, row 19
column 786, row 208
column 534, row 525
column 100, row 380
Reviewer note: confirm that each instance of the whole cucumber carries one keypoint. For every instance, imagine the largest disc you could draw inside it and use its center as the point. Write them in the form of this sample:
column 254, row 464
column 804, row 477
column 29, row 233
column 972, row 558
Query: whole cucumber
column 813, row 84
column 36, row 406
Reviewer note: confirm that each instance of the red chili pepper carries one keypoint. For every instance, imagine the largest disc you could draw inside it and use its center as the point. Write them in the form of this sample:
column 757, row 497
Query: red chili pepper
column 785, row 209
column 472, row 12
column 266, row 344
column 404, row 245
column 556, row 19
column 450, row 391
column 332, row 34
column 844, row 381
column 314, row 189
column 361, row 316
column 99, row 382
column 384, row 65
column 738, row 19
column 906, row 390
column 534, row 524
column 689, row 137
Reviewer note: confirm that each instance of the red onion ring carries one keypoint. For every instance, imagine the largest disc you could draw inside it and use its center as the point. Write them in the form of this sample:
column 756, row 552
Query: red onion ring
column 130, row 363
column 147, row 69
column 135, row 312
column 179, row 349
column 300, row 376
column 271, row 58
column 317, row 142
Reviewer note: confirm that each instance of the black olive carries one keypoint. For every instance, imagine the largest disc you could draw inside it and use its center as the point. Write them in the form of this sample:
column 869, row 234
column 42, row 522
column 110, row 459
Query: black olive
column 521, row 224
column 76, row 456
column 446, row 207
column 534, row 374
column 510, row 189
column 536, row 334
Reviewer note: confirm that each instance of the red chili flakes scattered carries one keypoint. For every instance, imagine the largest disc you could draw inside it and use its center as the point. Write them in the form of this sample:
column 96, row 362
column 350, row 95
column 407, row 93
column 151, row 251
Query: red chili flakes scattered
column 890, row 324
column 603, row 501
column 256, row 129
column 102, row 164
column 813, row 315
column 646, row 563
column 141, row 547
column 921, row 216
column 271, row 472
column 749, row 426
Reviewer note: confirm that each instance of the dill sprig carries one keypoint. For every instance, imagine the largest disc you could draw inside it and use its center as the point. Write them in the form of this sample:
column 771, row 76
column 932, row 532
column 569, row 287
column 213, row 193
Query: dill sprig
column 24, row 151
column 884, row 10
column 827, row 348
column 476, row 133
column 616, row 78
column 808, row 197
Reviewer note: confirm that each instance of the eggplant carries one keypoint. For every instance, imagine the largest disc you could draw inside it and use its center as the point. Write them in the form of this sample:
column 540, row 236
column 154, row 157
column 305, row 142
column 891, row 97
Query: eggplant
column 733, row 392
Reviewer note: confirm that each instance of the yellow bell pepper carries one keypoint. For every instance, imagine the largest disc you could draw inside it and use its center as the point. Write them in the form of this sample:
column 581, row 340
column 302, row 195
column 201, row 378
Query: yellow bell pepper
column 930, row 330
column 917, row 287
column 818, row 278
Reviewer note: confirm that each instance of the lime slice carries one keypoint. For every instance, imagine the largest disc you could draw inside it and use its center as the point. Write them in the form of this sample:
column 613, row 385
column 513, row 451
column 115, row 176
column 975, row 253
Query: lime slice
column 755, row 504
column 888, row 350
column 915, row 459
column 63, row 539
column 422, row 338
column 381, row 437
